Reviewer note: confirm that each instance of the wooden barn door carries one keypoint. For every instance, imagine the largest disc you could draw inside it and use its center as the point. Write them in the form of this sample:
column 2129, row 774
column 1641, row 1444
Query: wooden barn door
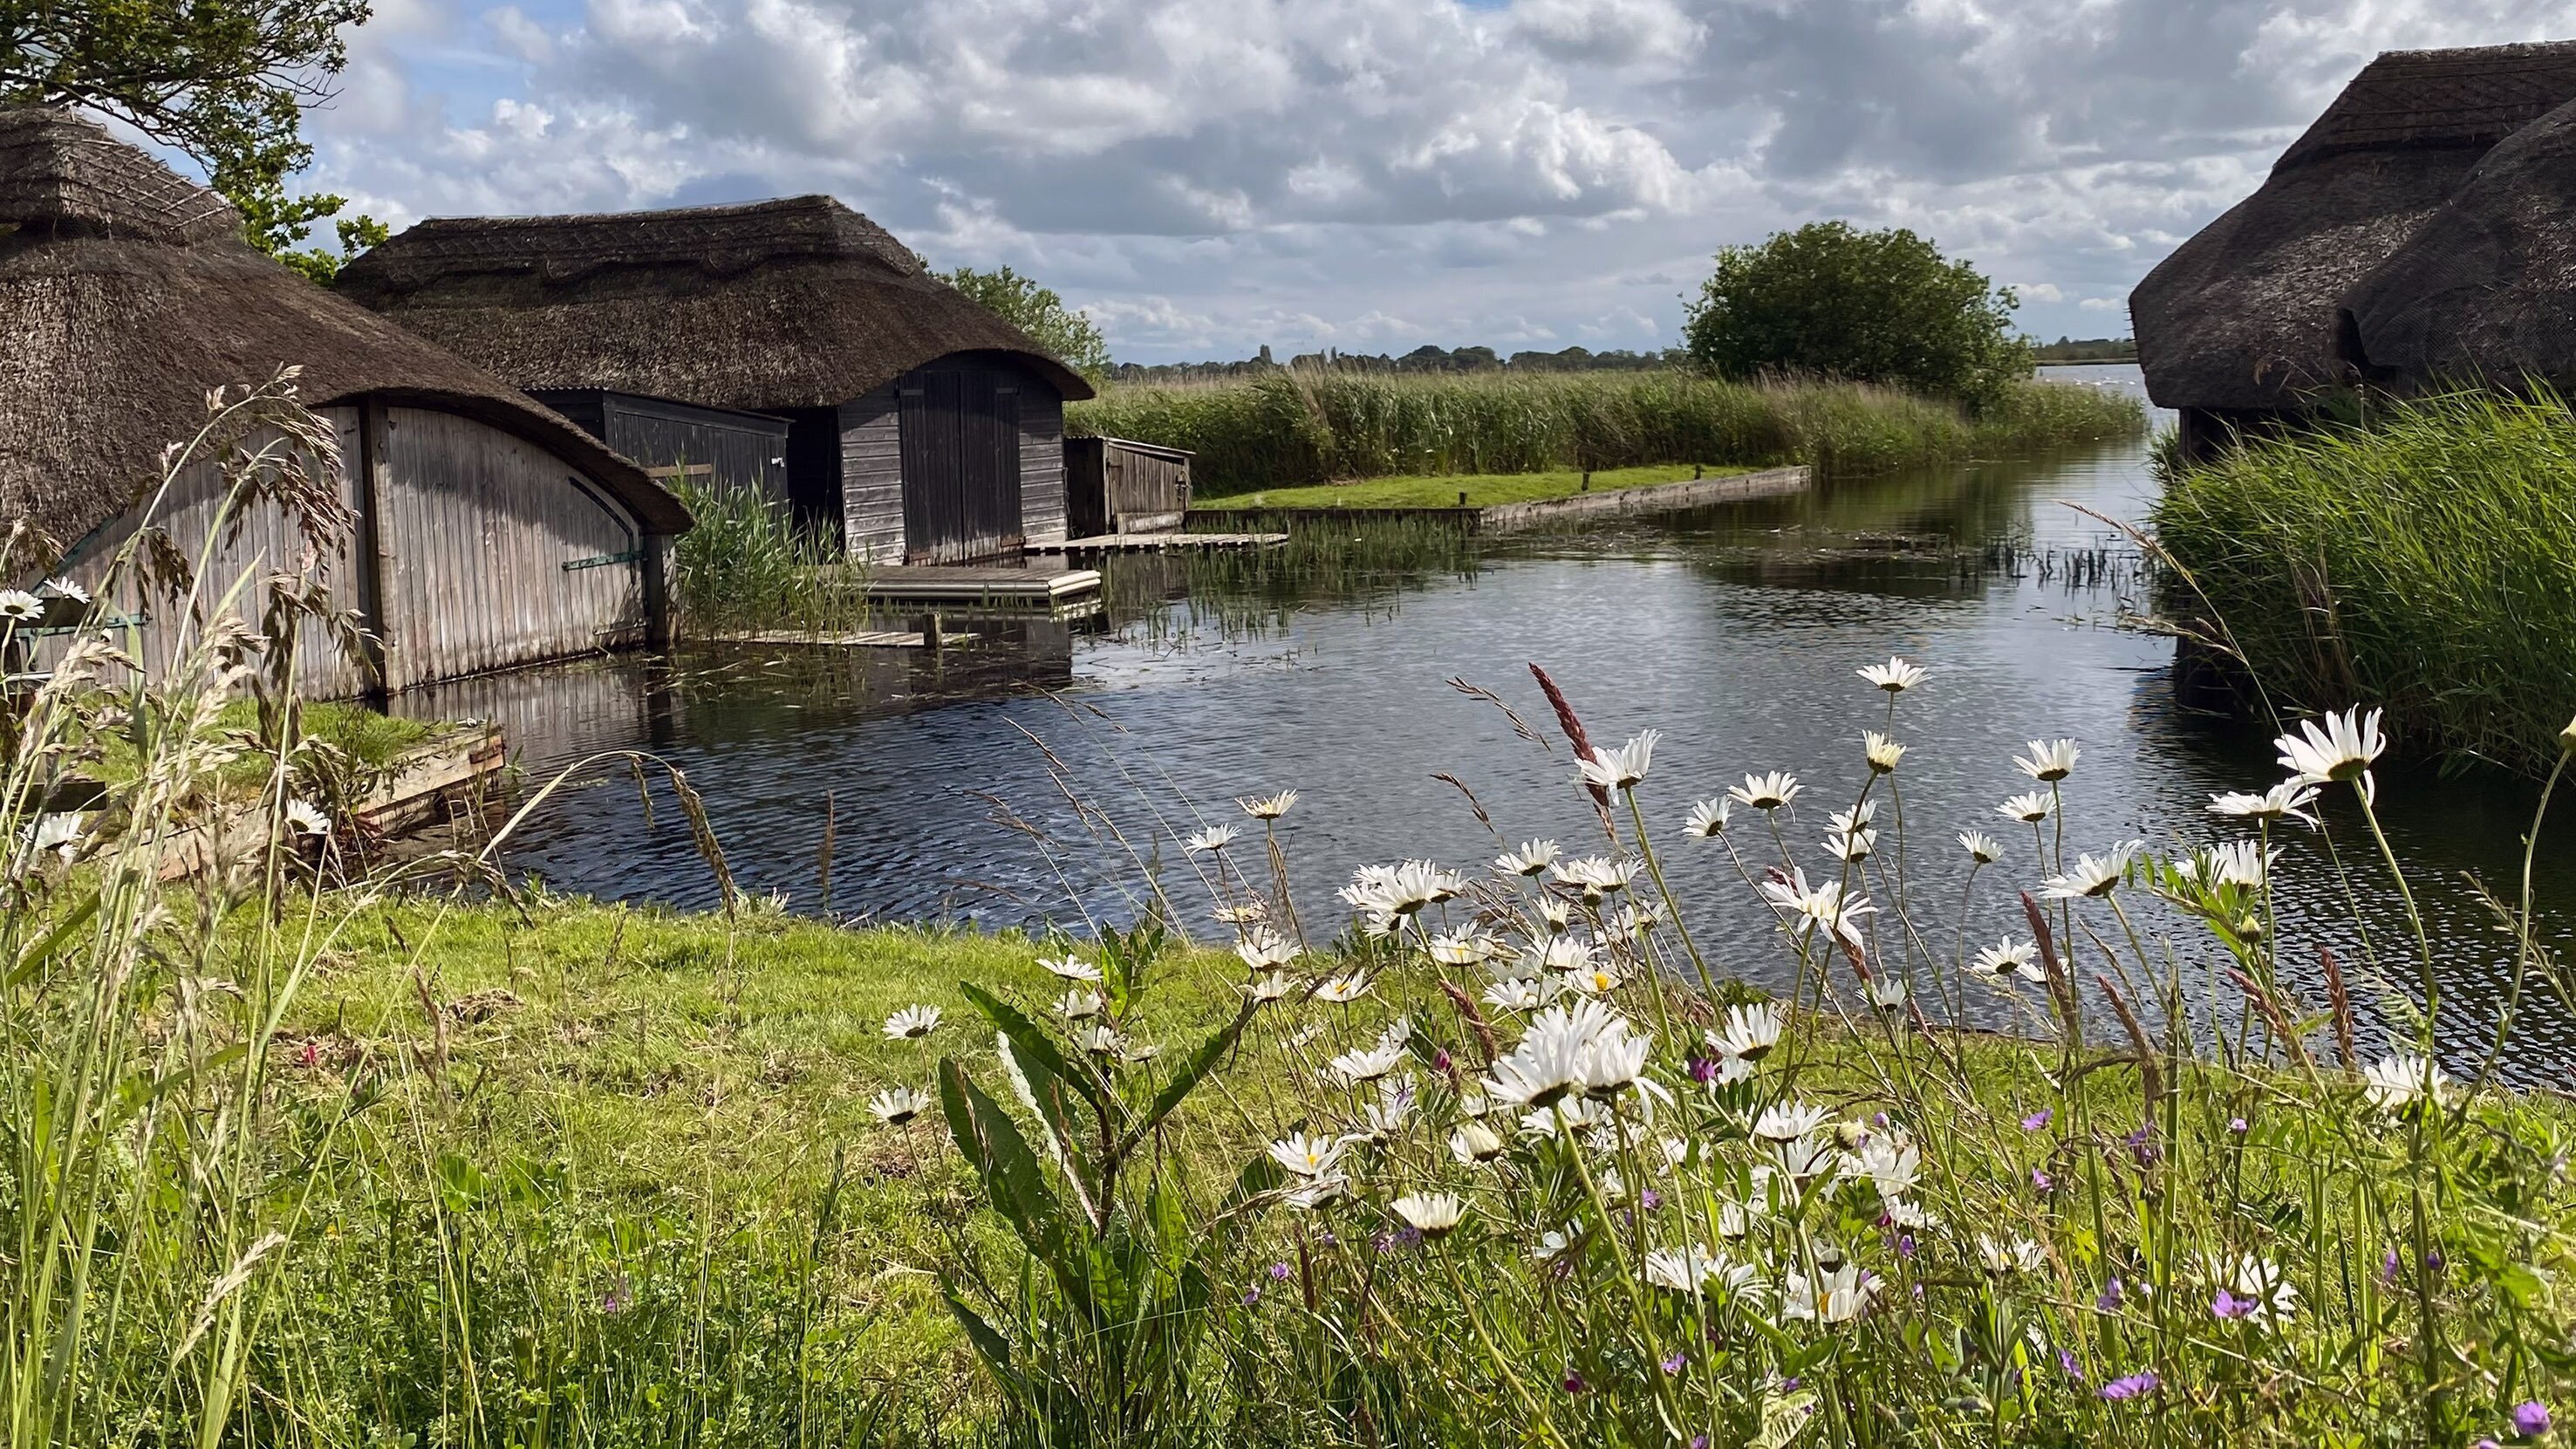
column 961, row 465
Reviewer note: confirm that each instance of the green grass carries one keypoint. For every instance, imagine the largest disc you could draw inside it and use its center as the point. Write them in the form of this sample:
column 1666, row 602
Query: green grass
column 369, row 739
column 1478, row 490
column 1294, row 430
column 2425, row 562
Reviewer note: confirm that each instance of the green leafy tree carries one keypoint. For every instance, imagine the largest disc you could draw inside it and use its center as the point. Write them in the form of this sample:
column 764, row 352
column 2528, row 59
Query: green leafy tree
column 1041, row 313
column 1873, row 306
column 226, row 81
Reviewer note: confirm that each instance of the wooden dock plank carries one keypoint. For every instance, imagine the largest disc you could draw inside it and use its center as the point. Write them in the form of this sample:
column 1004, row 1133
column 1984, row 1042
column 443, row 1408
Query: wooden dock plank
column 967, row 583
column 1165, row 542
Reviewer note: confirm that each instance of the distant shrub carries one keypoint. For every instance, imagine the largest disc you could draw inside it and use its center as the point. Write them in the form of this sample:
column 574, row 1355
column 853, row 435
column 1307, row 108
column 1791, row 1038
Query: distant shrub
column 1874, row 306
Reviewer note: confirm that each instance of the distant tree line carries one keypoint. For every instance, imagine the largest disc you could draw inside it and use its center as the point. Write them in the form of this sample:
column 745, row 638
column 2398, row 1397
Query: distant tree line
column 2089, row 349
column 1424, row 359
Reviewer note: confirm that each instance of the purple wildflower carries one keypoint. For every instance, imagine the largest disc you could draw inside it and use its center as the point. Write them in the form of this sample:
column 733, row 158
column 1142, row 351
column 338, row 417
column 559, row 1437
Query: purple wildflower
column 2228, row 1305
column 1251, row 1295
column 1677, row 1362
column 2111, row 1297
column 2037, row 1120
column 2531, row 1419
column 2132, row 1386
column 1879, row 1120
column 1905, row 1245
column 1649, row 1199
column 1699, row 1441
column 2486, row 1444
column 1788, row 1384
column 2142, row 1146
column 1574, row 1383
column 2066, row 1361
column 2236, row 1125
column 1278, row 1272
column 619, row 1297
column 1703, row 1069
column 2042, row 1180
column 2388, row 1268
column 1440, row 1059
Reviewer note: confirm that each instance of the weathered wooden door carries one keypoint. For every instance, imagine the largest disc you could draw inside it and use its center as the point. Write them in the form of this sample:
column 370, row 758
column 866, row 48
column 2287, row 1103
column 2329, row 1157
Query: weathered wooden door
column 961, row 465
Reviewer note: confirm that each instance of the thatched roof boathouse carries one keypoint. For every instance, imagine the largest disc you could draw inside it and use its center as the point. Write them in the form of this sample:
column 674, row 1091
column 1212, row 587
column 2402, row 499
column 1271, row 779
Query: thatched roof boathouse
column 2283, row 300
column 921, row 427
column 491, row 532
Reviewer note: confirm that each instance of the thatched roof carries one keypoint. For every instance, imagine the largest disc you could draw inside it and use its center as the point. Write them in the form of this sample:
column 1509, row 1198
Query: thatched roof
column 2243, row 315
column 779, row 304
column 126, row 293
column 2486, row 290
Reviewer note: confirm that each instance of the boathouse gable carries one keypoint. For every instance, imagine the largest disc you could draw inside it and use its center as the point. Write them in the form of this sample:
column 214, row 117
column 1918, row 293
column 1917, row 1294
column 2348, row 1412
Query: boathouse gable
column 489, row 531
column 921, row 427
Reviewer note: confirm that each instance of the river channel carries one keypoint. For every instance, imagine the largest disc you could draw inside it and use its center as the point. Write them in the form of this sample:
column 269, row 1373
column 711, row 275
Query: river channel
column 950, row 783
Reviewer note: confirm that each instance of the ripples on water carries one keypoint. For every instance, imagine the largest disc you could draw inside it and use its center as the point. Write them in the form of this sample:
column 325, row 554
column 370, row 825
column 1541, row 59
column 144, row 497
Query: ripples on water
column 1735, row 631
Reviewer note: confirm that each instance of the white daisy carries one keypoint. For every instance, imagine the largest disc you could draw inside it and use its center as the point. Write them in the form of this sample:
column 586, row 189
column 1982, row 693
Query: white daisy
column 1400, row 889
column 1883, row 753
column 1080, row 1005
column 1366, row 1065
column 1100, row 1038
column 1551, row 1059
column 1520, row 994
column 1887, row 992
column 1457, row 950
column 1765, row 792
column 2395, row 1083
column 1264, row 949
column 1475, row 1143
column 1853, row 847
column 2010, row 1255
column 1268, row 807
column 20, row 607
column 59, row 831
column 1432, row 1214
column 1823, row 905
column 1749, row 1032
column 1621, row 768
column 1533, row 856
column 1708, row 818
column 2342, row 748
column 1273, row 987
column 1316, row 1192
column 2228, row 863
column 1071, row 968
column 306, row 818
column 1597, row 875
column 1836, row 1297
column 898, row 1105
column 1895, row 676
column 2049, row 761
column 2008, row 959
column 2091, row 877
column 67, row 589
column 2288, row 800
column 2029, row 809
column 1343, row 989
column 1306, row 1156
column 1215, row 837
column 912, row 1023
column 1782, row 1121
column 1981, row 847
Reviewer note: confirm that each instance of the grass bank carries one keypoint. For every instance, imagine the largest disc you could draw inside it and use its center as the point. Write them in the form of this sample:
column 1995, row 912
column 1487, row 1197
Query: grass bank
column 1295, row 430
column 2426, row 560
column 1479, row 490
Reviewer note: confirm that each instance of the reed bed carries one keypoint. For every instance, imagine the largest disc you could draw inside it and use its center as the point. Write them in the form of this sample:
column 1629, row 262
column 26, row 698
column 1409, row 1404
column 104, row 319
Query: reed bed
column 745, row 565
column 1296, row 429
column 2425, row 558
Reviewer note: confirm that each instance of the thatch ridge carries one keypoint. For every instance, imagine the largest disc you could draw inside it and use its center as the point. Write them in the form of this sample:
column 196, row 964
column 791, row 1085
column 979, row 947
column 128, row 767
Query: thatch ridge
column 2485, row 292
column 2243, row 315
column 793, row 303
column 127, row 293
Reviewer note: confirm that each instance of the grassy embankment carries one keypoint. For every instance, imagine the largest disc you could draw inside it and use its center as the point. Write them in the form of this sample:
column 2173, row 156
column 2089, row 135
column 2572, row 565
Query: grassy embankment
column 1474, row 490
column 1297, row 430
column 2426, row 560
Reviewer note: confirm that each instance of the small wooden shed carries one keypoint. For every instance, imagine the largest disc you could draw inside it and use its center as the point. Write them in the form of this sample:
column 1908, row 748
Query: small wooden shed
column 488, row 531
column 922, row 428
column 1117, row 485
column 680, row 443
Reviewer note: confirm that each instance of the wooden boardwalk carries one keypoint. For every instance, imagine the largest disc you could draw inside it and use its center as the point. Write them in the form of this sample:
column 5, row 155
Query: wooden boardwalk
column 1169, row 541
column 855, row 639
column 988, row 586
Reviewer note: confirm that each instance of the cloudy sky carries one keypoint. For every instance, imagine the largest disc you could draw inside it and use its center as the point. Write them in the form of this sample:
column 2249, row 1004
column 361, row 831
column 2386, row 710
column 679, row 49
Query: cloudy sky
column 1205, row 176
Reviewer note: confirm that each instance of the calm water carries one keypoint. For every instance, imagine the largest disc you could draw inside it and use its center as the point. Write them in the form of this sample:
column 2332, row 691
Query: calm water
column 951, row 783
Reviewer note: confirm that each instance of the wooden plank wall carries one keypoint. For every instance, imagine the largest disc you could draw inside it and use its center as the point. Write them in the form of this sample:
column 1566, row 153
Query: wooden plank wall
column 474, row 528
column 268, row 542
column 1042, row 513
column 728, row 452
column 1143, row 486
column 872, row 477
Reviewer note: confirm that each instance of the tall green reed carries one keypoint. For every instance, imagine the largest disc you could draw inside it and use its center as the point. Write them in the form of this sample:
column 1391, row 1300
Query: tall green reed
column 1297, row 428
column 2426, row 560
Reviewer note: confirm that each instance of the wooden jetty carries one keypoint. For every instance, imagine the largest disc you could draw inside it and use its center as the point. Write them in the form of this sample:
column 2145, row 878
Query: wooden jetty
column 1168, row 541
column 852, row 639
column 446, row 772
column 985, row 586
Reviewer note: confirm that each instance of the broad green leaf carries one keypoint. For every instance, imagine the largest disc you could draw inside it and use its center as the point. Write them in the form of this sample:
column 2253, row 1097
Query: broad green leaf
column 35, row 956
column 1015, row 1182
column 989, row 1344
column 1033, row 1046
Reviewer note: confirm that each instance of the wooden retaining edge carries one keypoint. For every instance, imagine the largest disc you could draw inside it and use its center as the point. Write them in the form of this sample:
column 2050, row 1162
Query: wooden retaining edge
column 419, row 781
column 1507, row 517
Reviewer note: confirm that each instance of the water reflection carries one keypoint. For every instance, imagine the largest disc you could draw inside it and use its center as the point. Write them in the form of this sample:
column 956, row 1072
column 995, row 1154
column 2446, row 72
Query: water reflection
column 1044, row 781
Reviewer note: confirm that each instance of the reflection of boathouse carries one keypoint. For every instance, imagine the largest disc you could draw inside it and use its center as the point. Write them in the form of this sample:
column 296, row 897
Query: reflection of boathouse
column 919, row 427
column 2421, row 233
column 489, row 531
